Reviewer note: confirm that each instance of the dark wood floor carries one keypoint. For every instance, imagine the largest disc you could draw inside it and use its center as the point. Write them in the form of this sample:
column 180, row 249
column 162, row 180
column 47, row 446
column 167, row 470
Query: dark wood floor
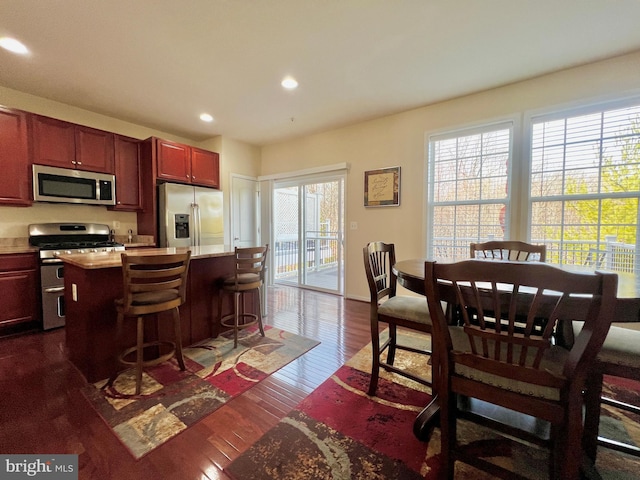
column 42, row 410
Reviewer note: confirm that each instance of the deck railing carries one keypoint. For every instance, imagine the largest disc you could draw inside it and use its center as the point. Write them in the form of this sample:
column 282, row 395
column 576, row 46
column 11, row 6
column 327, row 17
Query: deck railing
column 610, row 255
column 321, row 252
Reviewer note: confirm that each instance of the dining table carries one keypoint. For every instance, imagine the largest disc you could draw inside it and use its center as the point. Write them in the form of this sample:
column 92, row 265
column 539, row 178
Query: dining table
column 410, row 275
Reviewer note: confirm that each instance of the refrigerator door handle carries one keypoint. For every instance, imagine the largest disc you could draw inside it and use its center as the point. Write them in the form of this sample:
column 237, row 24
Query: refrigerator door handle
column 198, row 238
column 195, row 224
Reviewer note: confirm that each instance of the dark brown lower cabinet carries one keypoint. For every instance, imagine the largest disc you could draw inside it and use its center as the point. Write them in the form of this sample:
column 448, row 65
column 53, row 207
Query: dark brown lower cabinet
column 20, row 287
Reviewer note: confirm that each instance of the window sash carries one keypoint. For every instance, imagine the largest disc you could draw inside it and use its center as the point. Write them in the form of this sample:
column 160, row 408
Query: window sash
column 584, row 186
column 469, row 177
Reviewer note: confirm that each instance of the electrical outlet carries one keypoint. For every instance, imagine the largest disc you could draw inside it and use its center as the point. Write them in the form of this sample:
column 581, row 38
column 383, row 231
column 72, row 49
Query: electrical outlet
column 74, row 292
column 354, row 225
column 116, row 224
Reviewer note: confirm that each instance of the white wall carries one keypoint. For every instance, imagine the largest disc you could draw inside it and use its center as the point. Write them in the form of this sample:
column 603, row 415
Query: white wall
column 400, row 140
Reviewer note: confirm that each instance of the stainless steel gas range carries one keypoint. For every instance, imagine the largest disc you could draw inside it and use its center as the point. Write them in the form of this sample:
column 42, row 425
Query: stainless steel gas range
column 54, row 239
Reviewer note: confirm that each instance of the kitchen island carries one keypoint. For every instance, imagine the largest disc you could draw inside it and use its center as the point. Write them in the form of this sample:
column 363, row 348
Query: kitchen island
column 93, row 281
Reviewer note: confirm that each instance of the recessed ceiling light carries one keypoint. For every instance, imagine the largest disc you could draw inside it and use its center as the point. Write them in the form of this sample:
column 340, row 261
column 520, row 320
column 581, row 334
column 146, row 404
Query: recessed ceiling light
column 289, row 83
column 13, row 45
column 205, row 117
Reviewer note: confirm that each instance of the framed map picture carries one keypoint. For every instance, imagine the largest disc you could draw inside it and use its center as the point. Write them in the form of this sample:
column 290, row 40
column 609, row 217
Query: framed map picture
column 382, row 187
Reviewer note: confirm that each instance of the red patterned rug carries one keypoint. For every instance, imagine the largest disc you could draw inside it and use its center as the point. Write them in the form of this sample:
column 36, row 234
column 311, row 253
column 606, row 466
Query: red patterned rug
column 341, row 433
column 172, row 400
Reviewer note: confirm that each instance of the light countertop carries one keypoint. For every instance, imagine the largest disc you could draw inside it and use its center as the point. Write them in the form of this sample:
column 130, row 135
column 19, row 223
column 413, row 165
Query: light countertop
column 91, row 261
column 9, row 249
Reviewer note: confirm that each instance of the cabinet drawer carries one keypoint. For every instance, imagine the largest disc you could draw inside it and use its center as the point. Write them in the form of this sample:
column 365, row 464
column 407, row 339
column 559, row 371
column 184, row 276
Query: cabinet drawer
column 18, row 261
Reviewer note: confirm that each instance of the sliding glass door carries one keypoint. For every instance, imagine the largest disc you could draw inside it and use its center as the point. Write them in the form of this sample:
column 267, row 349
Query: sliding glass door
column 308, row 233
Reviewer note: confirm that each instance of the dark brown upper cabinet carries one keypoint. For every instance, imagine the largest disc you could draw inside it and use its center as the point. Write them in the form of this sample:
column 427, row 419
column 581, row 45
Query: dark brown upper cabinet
column 127, row 163
column 14, row 158
column 62, row 144
column 186, row 164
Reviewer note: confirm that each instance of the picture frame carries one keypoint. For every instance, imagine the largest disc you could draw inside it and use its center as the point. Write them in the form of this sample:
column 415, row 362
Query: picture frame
column 382, row 187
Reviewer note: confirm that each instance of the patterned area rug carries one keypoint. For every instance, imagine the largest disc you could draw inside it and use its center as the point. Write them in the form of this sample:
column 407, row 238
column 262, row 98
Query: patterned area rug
column 172, row 400
column 341, row 433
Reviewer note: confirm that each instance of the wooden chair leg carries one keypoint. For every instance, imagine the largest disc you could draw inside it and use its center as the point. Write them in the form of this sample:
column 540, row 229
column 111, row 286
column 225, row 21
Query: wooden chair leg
column 593, row 392
column 375, row 358
column 572, row 442
column 178, row 334
column 448, row 432
column 236, row 319
column 554, row 454
column 393, row 338
column 139, row 354
column 259, row 312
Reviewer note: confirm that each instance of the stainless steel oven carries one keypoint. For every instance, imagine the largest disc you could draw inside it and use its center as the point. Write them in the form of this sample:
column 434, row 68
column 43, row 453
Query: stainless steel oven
column 54, row 239
column 52, row 282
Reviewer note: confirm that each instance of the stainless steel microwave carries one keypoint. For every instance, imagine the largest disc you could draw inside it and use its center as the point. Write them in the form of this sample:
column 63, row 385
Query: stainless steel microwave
column 63, row 185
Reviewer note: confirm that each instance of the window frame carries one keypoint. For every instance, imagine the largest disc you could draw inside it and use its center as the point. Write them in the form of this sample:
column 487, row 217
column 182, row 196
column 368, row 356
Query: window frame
column 564, row 112
column 513, row 124
column 520, row 205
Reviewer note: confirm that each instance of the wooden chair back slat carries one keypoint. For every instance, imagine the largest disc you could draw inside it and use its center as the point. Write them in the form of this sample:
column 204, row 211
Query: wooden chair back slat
column 380, row 258
column 510, row 311
column 510, row 250
column 250, row 260
column 153, row 274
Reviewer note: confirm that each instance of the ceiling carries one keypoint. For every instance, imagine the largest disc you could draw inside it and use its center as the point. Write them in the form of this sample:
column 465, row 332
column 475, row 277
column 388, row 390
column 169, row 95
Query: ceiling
column 160, row 63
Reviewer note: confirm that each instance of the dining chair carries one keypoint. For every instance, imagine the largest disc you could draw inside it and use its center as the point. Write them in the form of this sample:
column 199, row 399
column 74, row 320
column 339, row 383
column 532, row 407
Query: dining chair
column 487, row 363
column 514, row 250
column 393, row 310
column 152, row 284
column 619, row 357
column 247, row 278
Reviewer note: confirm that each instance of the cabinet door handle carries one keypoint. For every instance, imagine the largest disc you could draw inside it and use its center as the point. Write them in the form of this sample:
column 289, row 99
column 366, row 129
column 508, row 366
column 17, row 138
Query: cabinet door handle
column 54, row 290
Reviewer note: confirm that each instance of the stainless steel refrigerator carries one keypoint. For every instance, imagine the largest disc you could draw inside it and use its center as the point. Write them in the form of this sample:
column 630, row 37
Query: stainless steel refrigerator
column 189, row 216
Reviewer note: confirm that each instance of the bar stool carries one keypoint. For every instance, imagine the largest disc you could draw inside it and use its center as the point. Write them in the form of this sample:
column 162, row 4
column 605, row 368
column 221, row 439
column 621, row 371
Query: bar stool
column 248, row 277
column 152, row 284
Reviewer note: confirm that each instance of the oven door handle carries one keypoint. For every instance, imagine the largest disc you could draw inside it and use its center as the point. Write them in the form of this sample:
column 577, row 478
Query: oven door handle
column 52, row 260
column 54, row 290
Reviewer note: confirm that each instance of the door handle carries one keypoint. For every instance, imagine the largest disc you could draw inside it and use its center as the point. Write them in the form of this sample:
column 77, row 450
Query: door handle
column 54, row 290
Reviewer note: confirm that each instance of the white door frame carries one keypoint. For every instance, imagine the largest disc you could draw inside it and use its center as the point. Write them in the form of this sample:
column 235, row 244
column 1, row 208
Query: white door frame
column 239, row 207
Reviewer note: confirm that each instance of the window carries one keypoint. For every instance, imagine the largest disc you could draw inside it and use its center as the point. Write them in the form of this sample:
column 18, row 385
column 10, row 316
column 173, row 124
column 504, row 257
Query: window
column 577, row 189
column 585, row 186
column 468, row 189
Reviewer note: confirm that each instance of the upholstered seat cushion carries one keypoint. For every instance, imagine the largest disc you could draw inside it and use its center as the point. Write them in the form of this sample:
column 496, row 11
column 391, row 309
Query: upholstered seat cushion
column 243, row 278
column 151, row 298
column 622, row 345
column 553, row 360
column 409, row 308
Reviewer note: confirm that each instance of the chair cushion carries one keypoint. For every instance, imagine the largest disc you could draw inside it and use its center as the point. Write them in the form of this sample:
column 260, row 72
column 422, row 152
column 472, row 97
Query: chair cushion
column 553, row 360
column 151, row 298
column 243, row 278
column 622, row 344
column 409, row 308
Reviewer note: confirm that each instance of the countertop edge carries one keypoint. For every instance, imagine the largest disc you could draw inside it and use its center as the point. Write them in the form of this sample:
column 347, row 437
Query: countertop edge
column 94, row 261
column 9, row 249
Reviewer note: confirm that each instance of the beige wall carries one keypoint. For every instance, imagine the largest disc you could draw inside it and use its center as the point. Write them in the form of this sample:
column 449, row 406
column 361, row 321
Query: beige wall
column 400, row 140
column 389, row 141
column 234, row 157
